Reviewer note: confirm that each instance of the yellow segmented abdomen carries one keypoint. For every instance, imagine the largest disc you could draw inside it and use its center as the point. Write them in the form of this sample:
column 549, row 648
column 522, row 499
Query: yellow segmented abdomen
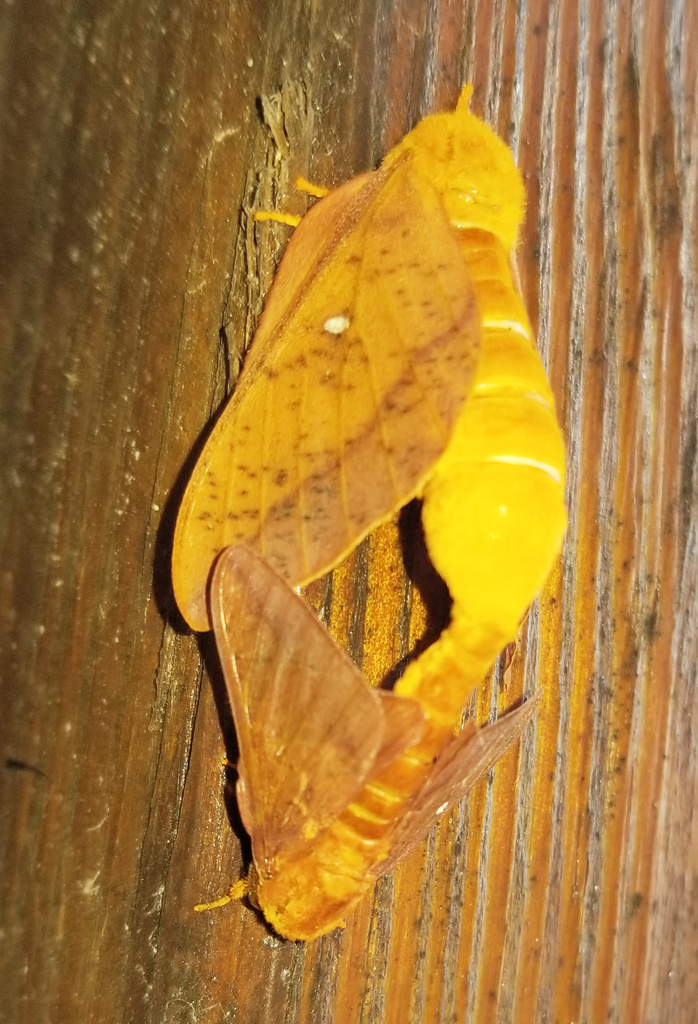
column 494, row 512
column 494, row 518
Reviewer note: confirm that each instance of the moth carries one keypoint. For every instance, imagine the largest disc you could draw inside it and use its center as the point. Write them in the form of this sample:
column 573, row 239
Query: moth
column 394, row 359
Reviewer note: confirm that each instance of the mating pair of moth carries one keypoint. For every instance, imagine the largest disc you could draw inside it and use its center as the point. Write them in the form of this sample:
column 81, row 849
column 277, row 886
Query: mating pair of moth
column 394, row 359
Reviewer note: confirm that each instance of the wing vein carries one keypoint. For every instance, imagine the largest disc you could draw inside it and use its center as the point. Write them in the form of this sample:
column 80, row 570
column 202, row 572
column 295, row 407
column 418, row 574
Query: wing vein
column 376, row 403
column 302, row 498
column 343, row 445
column 343, row 434
column 228, row 488
column 262, row 475
column 424, row 399
column 427, row 402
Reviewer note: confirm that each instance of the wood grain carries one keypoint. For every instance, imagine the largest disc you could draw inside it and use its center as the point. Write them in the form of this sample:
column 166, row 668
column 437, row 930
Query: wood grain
column 133, row 140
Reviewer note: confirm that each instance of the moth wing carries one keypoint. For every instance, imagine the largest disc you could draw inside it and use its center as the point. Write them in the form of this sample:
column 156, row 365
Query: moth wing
column 403, row 727
column 362, row 360
column 465, row 760
column 309, row 727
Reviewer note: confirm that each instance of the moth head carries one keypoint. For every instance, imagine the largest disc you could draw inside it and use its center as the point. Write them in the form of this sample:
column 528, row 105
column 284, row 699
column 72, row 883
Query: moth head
column 305, row 898
column 471, row 168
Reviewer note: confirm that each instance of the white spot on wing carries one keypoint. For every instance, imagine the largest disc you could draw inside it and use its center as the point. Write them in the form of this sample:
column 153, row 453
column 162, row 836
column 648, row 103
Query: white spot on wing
column 336, row 324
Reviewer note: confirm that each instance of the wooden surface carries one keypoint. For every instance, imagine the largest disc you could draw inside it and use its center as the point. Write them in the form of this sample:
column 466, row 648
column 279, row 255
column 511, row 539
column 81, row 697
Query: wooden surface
column 133, row 139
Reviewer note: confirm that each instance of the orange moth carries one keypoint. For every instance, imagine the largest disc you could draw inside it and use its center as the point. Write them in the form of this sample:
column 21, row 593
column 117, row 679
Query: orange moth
column 394, row 358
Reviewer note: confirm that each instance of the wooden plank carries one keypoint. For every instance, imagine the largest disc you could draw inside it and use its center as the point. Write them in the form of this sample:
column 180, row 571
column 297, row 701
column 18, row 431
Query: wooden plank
column 132, row 138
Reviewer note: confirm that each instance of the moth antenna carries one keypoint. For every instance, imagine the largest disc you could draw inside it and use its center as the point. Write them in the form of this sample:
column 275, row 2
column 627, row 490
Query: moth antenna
column 236, row 892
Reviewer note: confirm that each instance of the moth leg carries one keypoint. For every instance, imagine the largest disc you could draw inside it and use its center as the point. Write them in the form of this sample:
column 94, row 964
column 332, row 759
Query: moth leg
column 303, row 185
column 292, row 219
column 236, row 892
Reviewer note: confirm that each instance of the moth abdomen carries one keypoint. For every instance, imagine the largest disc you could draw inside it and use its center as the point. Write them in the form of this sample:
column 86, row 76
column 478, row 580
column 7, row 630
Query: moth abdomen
column 496, row 496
